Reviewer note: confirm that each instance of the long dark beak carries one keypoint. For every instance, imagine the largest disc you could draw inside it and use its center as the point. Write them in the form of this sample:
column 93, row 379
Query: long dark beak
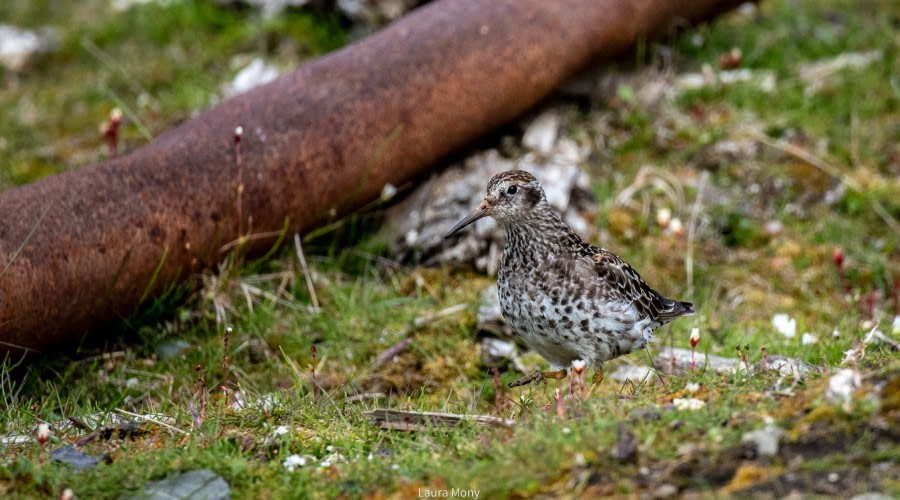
column 483, row 210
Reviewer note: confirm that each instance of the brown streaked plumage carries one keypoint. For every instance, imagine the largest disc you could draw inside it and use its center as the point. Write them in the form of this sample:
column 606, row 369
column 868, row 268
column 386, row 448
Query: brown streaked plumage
column 567, row 299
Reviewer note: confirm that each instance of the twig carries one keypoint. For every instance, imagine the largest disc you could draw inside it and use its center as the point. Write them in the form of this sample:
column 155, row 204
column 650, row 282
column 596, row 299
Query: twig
column 392, row 351
column 250, row 237
column 153, row 420
column 423, row 420
column 309, row 282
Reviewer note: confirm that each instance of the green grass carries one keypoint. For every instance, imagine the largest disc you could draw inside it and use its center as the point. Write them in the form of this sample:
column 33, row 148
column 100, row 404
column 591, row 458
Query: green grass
column 164, row 63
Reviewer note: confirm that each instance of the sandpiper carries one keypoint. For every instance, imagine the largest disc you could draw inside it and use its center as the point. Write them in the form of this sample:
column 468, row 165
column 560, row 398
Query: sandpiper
column 566, row 299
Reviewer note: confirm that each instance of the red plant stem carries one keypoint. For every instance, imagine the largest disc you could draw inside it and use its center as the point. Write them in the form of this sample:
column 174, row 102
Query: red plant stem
column 225, row 340
column 499, row 397
column 315, row 357
column 201, row 392
column 238, row 132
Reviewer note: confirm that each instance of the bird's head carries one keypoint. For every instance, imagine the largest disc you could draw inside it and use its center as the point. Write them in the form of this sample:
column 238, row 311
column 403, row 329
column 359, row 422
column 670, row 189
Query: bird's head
column 512, row 197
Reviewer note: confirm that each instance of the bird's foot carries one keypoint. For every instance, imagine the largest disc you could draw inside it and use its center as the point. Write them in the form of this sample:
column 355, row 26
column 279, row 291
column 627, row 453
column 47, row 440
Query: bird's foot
column 537, row 377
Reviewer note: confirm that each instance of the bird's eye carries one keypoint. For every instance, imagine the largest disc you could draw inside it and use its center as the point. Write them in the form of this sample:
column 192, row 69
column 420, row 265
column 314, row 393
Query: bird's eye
column 512, row 189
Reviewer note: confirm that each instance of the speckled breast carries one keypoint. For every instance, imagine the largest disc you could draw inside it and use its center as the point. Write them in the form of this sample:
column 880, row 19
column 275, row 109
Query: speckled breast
column 562, row 318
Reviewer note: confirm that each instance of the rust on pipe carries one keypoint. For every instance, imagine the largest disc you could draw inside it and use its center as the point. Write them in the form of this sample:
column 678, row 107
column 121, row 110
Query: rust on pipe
column 80, row 249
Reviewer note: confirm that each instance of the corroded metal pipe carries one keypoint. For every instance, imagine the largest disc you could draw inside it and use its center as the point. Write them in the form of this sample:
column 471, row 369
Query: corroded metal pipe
column 82, row 248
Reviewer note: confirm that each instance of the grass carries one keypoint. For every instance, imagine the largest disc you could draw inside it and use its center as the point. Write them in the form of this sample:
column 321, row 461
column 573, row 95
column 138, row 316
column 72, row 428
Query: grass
column 315, row 373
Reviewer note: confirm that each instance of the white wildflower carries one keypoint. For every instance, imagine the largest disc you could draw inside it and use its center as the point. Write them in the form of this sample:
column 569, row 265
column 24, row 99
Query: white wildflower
column 692, row 387
column 292, row 462
column 280, row 430
column 676, row 227
column 579, row 365
column 695, row 337
column 785, row 325
column 663, row 217
column 809, row 339
column 688, row 403
column 43, row 433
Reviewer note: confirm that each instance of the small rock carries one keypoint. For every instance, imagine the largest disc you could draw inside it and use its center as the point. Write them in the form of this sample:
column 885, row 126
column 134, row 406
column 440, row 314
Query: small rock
column 490, row 317
column 626, row 449
column 646, row 414
column 375, row 12
column 872, row 495
column 636, row 374
column 169, row 349
column 251, row 76
column 271, row 8
column 20, row 47
column 765, row 440
column 196, row 484
column 773, row 228
column 665, row 491
column 495, row 351
column 71, row 456
column 842, row 385
column 542, row 132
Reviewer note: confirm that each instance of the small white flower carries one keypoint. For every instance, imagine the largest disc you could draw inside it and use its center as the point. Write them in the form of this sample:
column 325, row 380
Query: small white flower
column 676, row 227
column 280, row 430
column 692, row 387
column 388, row 192
column 579, row 365
column 688, row 403
column 695, row 336
column 43, row 432
column 785, row 325
column 663, row 217
column 566, row 430
column 809, row 339
column 238, row 131
column 67, row 494
column 867, row 325
column 835, row 334
column 395, row 467
column 330, row 448
column 294, row 461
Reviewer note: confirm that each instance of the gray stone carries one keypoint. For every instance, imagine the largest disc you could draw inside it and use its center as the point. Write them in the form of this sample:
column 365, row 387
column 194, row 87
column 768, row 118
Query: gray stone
column 202, row 484
column 765, row 440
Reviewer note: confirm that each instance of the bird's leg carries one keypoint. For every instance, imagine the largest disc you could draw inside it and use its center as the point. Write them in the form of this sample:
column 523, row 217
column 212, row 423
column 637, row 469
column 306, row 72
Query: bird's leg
column 537, row 376
column 596, row 380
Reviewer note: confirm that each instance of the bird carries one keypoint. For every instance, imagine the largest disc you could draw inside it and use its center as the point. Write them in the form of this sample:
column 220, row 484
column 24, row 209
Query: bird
column 568, row 300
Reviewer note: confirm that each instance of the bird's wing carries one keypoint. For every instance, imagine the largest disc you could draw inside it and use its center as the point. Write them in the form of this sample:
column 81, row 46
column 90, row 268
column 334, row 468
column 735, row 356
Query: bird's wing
column 622, row 283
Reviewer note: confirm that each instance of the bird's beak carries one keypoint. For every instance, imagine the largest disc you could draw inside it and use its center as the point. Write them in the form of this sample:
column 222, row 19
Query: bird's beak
column 483, row 210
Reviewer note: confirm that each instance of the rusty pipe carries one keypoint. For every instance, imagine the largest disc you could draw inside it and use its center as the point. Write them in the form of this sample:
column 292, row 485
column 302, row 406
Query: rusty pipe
column 82, row 248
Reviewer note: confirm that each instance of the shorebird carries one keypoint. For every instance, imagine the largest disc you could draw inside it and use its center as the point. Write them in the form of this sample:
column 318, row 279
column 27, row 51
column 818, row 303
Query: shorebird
column 565, row 298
